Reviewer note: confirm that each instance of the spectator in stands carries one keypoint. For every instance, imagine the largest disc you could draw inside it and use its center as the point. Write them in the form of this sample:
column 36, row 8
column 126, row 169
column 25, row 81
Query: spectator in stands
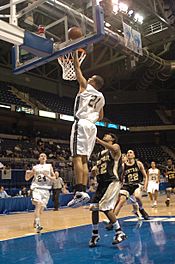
column 17, row 151
column 3, row 193
column 57, row 187
column 35, row 152
column 9, row 153
column 23, row 191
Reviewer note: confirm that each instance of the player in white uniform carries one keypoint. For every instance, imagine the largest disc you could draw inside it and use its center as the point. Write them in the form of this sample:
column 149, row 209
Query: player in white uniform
column 43, row 177
column 153, row 183
column 88, row 109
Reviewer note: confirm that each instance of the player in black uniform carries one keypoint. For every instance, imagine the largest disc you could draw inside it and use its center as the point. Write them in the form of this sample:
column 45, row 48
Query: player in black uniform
column 134, row 175
column 170, row 174
column 109, row 177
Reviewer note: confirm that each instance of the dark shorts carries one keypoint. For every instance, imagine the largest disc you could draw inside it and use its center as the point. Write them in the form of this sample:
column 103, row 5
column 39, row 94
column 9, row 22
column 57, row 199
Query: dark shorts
column 101, row 189
column 130, row 188
column 171, row 184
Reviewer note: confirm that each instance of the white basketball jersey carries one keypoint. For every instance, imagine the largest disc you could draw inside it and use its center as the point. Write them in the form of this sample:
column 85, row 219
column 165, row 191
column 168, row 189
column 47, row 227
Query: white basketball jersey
column 39, row 180
column 153, row 174
column 88, row 104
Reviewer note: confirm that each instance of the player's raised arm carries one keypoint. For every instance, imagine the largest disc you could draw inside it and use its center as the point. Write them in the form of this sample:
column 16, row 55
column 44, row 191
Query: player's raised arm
column 115, row 148
column 80, row 78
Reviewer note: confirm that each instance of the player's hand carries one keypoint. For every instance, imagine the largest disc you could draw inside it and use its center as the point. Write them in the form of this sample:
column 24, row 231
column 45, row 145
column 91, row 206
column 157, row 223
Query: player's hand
column 97, row 140
column 144, row 188
column 45, row 173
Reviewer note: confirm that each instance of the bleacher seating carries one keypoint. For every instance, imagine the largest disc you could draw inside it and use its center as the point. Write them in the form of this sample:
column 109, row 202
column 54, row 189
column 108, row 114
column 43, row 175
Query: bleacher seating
column 133, row 115
column 129, row 115
column 7, row 97
column 53, row 102
column 148, row 152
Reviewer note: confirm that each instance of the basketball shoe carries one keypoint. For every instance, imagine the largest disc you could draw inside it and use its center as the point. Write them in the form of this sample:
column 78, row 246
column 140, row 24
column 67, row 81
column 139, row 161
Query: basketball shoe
column 38, row 228
column 80, row 198
column 167, row 202
column 119, row 237
column 144, row 214
column 94, row 239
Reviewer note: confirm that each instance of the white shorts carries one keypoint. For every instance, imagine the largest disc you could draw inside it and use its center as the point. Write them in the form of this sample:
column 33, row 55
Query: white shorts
column 152, row 186
column 41, row 195
column 83, row 137
column 109, row 199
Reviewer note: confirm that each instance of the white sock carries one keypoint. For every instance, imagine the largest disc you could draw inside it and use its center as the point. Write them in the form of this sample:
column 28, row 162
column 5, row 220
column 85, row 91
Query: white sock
column 116, row 225
column 37, row 220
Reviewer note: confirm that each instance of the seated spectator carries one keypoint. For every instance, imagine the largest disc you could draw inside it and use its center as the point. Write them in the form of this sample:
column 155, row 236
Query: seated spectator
column 3, row 193
column 23, row 191
column 65, row 188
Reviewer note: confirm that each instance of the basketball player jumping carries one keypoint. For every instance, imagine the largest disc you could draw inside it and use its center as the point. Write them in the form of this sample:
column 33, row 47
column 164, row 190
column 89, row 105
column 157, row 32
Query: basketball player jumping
column 43, row 177
column 88, row 108
column 109, row 177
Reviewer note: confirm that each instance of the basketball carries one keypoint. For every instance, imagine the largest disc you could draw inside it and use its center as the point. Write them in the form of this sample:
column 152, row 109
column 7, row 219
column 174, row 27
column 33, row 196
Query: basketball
column 74, row 33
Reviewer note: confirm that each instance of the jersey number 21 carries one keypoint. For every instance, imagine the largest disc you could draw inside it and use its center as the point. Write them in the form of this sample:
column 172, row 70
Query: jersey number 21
column 94, row 101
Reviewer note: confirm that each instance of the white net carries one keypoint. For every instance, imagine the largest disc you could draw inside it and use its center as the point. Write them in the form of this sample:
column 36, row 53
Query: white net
column 67, row 64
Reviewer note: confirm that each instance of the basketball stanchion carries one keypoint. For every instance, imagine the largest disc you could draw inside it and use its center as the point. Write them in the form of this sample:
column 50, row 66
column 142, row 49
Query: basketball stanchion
column 67, row 63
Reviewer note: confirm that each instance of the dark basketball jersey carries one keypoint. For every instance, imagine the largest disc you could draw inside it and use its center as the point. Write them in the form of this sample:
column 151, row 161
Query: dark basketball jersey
column 132, row 174
column 108, row 169
column 170, row 171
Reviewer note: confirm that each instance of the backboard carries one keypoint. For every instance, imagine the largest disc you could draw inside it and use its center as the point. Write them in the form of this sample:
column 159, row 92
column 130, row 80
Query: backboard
column 33, row 48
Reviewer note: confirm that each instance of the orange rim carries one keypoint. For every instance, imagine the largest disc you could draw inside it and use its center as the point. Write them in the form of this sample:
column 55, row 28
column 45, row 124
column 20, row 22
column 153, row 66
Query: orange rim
column 79, row 50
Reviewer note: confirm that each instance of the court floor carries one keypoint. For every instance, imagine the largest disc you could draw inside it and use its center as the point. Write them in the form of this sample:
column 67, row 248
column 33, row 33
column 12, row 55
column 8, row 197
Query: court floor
column 67, row 232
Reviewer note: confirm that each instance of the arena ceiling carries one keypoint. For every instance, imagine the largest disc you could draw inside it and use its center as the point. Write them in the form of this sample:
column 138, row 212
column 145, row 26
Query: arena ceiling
column 122, row 70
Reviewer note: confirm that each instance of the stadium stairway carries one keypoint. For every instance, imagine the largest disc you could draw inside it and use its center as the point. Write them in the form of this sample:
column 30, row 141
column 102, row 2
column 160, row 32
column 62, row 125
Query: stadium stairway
column 168, row 151
column 25, row 97
column 163, row 116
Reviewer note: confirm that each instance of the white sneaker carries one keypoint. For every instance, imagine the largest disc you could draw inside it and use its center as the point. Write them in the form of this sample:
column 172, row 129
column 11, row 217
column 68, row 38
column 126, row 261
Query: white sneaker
column 38, row 228
column 155, row 204
column 80, row 198
column 119, row 237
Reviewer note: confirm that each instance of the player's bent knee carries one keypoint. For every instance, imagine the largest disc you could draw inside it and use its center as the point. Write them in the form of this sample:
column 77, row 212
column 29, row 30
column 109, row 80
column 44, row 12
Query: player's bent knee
column 94, row 207
column 124, row 194
column 169, row 189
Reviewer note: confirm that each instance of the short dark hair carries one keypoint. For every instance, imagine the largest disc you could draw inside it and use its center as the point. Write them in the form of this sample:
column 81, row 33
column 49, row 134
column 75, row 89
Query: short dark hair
column 114, row 137
column 99, row 82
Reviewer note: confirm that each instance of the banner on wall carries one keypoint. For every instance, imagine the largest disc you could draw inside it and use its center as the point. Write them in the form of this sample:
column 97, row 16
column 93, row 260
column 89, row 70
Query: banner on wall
column 133, row 40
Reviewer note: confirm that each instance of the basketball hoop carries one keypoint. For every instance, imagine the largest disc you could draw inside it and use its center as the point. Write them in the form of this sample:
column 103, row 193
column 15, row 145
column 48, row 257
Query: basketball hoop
column 67, row 64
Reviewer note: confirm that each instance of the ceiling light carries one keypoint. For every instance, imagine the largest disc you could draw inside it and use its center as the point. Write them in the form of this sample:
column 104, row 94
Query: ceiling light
column 107, row 24
column 115, row 6
column 130, row 12
column 123, row 7
column 138, row 18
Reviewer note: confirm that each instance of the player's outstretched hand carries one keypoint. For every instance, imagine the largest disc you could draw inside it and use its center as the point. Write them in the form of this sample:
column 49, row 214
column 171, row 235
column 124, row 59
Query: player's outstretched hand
column 97, row 140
